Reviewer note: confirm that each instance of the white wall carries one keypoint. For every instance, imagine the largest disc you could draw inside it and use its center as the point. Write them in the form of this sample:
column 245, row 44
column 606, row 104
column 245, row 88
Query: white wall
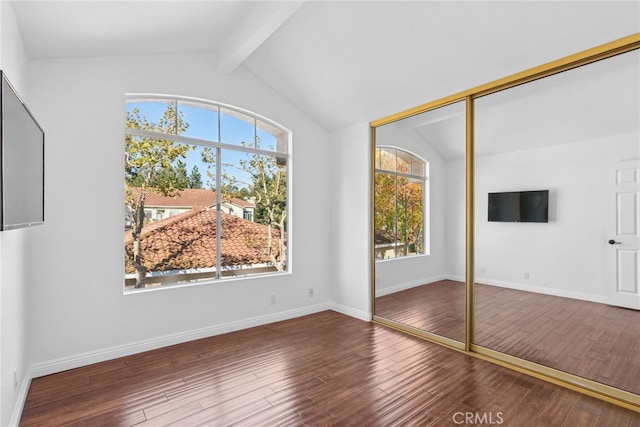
column 350, row 263
column 77, row 308
column 456, row 218
column 565, row 256
column 402, row 273
column 14, row 247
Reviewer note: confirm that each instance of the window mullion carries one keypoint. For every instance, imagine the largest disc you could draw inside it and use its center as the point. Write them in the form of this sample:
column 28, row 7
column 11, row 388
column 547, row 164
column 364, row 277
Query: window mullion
column 196, row 141
column 218, row 205
column 255, row 133
column 404, row 175
column 395, row 217
column 175, row 117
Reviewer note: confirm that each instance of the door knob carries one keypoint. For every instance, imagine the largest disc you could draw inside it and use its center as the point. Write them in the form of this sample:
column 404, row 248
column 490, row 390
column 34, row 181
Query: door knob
column 613, row 242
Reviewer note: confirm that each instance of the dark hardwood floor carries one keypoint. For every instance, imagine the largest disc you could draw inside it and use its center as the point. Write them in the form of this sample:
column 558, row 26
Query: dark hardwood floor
column 322, row 369
column 437, row 307
column 592, row 340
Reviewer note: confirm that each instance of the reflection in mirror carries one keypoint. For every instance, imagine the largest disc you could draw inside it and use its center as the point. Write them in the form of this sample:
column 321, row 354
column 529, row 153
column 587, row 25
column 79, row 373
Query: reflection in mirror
column 413, row 284
column 558, row 293
column 399, row 185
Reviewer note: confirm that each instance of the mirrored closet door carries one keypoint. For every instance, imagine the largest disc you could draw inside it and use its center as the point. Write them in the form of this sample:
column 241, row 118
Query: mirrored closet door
column 419, row 181
column 557, row 180
column 506, row 221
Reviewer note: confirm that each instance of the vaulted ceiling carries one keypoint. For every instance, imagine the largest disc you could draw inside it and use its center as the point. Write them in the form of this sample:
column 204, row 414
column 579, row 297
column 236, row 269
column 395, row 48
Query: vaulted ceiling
column 341, row 63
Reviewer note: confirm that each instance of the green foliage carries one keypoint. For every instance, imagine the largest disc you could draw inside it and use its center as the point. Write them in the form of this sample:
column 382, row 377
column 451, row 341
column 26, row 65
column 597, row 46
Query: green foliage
column 180, row 177
column 385, row 202
column 195, row 179
column 269, row 184
column 153, row 163
column 399, row 213
column 399, row 209
column 269, row 187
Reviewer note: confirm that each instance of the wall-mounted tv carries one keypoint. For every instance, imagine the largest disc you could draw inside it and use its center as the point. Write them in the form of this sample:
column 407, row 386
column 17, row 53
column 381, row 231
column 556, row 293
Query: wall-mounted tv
column 21, row 162
column 519, row 206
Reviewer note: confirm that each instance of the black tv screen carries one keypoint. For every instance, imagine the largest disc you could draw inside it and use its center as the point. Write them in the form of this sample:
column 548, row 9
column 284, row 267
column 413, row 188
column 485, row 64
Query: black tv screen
column 519, row 206
column 21, row 163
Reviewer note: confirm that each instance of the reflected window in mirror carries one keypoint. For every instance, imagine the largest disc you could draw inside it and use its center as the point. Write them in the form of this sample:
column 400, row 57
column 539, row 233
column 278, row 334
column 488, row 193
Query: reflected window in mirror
column 400, row 178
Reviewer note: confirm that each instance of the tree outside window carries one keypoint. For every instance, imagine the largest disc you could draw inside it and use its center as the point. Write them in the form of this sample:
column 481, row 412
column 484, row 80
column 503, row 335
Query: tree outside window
column 399, row 203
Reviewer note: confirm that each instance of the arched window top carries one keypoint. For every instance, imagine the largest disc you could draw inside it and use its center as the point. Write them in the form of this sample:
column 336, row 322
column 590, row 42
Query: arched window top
column 207, row 121
column 394, row 159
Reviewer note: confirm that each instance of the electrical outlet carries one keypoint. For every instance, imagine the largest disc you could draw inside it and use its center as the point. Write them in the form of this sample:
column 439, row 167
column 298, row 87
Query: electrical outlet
column 482, row 270
column 15, row 379
column 526, row 274
column 311, row 293
column 273, row 300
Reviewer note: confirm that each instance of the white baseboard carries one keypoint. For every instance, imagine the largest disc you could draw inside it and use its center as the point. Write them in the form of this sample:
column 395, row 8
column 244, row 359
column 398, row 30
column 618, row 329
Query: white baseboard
column 21, row 399
column 352, row 312
column 88, row 358
column 500, row 283
column 408, row 285
column 545, row 291
column 456, row 278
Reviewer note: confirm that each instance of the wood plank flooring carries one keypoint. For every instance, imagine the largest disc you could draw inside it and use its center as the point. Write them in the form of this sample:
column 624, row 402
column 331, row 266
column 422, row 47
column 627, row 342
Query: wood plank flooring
column 438, row 307
column 592, row 340
column 323, row 369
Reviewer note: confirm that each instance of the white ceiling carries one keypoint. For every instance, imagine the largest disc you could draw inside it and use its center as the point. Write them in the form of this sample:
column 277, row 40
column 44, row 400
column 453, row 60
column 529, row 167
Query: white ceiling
column 342, row 63
column 52, row 29
column 595, row 101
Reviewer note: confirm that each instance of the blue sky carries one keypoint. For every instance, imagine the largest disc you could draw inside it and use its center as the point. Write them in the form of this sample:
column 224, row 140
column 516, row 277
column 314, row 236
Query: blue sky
column 203, row 124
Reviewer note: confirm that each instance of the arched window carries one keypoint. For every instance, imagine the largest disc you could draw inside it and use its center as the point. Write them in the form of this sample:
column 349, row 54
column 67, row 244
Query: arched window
column 206, row 192
column 400, row 182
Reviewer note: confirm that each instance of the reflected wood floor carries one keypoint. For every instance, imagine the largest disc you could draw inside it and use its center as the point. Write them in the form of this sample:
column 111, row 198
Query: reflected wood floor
column 438, row 307
column 322, row 369
column 593, row 340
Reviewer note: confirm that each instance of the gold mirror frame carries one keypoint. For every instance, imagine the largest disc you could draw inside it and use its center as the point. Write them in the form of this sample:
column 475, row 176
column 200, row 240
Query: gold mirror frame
column 589, row 387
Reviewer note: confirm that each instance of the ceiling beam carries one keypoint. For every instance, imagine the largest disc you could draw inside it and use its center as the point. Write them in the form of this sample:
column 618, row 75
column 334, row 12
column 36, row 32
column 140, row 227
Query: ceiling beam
column 258, row 26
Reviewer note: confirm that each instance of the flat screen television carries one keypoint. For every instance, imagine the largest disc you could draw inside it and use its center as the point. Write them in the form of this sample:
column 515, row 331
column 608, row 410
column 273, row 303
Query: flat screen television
column 519, row 206
column 21, row 162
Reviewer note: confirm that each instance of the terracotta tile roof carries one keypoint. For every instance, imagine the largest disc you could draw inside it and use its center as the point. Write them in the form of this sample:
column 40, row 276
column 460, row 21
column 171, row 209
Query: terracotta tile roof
column 188, row 241
column 240, row 202
column 189, row 197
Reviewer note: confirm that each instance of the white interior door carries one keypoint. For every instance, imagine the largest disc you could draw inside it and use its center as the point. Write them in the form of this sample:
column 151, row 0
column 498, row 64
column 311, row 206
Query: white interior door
column 623, row 239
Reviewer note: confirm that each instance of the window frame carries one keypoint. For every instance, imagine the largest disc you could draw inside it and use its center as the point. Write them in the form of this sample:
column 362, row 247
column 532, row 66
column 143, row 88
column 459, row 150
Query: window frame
column 218, row 147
